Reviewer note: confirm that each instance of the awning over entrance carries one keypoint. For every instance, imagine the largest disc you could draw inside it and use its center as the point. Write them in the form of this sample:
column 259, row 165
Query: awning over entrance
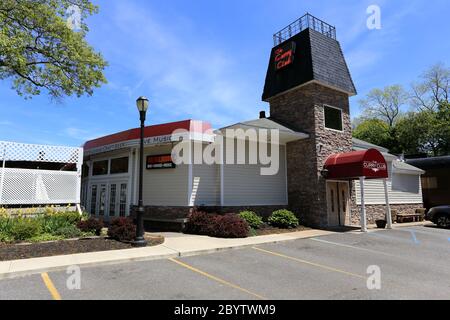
column 369, row 164
column 362, row 165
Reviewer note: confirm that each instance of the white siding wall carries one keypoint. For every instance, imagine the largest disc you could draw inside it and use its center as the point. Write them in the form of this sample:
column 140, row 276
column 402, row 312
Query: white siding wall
column 244, row 185
column 206, row 185
column 374, row 190
column 165, row 187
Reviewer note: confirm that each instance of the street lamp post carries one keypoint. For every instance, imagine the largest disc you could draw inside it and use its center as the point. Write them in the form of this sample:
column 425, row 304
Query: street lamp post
column 142, row 105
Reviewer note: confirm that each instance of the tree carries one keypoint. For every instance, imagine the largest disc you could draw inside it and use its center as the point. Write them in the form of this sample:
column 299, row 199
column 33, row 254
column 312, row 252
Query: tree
column 385, row 104
column 38, row 50
column 425, row 132
column 374, row 131
column 433, row 89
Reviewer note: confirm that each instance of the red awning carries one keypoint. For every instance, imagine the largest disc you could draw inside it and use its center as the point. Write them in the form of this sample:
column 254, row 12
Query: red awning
column 352, row 165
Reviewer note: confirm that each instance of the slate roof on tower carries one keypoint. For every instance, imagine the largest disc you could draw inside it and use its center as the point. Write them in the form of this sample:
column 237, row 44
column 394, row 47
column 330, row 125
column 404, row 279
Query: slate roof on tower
column 308, row 56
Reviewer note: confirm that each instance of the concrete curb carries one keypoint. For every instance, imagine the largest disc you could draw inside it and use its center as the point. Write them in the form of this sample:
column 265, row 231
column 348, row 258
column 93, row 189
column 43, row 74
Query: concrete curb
column 171, row 248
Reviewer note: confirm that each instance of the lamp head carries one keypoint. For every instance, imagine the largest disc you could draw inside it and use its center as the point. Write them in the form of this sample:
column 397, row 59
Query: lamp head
column 142, row 104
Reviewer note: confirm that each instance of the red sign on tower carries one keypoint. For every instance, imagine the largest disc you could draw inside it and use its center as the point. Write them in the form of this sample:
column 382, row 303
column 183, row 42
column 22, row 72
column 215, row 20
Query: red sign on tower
column 284, row 55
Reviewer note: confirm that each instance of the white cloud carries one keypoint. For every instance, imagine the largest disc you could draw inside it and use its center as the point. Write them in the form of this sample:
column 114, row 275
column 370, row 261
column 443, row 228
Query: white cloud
column 80, row 134
column 182, row 76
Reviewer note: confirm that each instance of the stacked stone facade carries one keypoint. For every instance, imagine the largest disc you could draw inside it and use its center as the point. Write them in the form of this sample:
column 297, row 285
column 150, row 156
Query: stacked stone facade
column 376, row 212
column 302, row 109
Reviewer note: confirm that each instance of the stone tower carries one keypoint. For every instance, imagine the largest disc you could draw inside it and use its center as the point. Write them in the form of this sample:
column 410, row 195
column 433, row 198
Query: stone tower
column 308, row 86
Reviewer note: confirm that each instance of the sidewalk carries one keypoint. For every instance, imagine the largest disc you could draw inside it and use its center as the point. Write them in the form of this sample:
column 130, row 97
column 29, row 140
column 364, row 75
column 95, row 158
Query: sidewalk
column 175, row 245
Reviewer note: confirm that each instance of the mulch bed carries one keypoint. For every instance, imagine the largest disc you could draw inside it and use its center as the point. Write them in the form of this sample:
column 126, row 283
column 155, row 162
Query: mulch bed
column 57, row 248
column 266, row 230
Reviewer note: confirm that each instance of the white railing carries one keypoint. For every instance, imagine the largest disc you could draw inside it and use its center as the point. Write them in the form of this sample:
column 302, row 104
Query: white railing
column 39, row 187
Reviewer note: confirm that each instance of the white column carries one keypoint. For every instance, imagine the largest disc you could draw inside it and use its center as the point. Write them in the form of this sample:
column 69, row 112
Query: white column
column 222, row 171
column 363, row 206
column 2, row 175
column 191, row 174
column 388, row 207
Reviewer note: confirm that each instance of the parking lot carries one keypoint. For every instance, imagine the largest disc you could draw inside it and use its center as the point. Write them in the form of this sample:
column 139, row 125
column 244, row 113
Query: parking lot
column 413, row 264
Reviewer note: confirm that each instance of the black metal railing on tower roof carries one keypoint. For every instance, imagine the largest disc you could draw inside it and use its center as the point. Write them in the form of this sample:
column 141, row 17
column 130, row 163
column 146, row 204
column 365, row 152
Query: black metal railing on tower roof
column 305, row 22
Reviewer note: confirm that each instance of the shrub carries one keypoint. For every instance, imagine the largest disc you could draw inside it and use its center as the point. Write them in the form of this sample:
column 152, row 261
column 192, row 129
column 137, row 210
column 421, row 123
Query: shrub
column 6, row 225
column 45, row 237
column 25, row 228
column 91, row 225
column 70, row 232
column 122, row 229
column 230, row 226
column 5, row 237
column 253, row 220
column 284, row 219
column 51, row 223
column 200, row 223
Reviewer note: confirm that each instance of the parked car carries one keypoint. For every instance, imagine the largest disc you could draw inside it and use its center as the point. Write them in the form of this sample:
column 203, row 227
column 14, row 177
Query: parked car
column 440, row 216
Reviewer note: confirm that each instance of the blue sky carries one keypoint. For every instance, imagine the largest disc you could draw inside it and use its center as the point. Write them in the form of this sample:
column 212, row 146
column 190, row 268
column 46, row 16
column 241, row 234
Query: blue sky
column 207, row 59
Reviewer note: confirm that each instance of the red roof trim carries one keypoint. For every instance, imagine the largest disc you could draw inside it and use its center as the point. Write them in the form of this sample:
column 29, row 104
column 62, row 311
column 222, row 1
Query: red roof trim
column 370, row 164
column 150, row 131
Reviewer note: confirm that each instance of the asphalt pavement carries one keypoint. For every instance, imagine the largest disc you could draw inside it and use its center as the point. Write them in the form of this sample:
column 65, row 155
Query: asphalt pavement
column 405, row 263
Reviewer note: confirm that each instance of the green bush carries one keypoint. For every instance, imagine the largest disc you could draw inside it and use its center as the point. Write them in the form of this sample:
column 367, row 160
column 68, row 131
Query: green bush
column 25, row 228
column 5, row 237
column 70, row 232
column 45, row 237
column 6, row 225
column 54, row 222
column 284, row 219
column 253, row 220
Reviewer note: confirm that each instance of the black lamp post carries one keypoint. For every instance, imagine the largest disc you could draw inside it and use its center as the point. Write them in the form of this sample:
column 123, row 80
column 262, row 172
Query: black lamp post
column 142, row 105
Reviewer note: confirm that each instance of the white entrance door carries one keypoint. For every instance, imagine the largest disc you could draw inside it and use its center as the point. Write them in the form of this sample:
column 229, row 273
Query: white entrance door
column 109, row 199
column 338, row 196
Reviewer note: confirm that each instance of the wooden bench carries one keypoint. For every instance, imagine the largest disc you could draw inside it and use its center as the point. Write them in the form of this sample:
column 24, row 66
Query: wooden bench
column 415, row 217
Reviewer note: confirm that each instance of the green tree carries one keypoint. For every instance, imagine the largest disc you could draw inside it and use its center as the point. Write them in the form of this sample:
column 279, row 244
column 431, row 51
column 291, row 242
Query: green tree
column 425, row 132
column 374, row 131
column 39, row 50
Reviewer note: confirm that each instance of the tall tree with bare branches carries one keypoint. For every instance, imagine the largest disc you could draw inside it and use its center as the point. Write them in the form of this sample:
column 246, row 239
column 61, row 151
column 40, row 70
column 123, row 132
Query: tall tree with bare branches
column 433, row 89
column 384, row 104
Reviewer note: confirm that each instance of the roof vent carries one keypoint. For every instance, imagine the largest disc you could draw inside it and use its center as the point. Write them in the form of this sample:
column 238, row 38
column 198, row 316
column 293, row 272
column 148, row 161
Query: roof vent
column 262, row 115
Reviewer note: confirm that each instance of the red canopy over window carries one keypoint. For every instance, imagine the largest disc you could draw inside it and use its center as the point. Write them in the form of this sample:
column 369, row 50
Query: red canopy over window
column 352, row 165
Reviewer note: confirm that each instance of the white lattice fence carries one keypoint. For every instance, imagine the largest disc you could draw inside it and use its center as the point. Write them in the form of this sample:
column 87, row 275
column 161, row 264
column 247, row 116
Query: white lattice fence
column 32, row 187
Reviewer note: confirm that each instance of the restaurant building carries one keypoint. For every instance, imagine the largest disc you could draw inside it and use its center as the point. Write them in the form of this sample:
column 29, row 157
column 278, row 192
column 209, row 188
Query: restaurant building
column 323, row 175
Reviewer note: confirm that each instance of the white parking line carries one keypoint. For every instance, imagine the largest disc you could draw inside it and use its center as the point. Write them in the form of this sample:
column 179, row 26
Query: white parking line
column 353, row 247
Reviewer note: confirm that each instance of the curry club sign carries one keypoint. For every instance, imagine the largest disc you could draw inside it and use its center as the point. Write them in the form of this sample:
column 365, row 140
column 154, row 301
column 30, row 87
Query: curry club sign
column 375, row 166
column 284, row 55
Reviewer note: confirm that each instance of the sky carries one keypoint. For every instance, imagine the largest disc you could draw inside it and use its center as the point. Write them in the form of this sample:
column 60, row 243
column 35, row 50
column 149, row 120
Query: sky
column 207, row 60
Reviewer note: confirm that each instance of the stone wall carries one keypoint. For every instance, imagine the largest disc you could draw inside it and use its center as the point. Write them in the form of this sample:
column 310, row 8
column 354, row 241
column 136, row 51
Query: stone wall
column 302, row 109
column 182, row 212
column 378, row 212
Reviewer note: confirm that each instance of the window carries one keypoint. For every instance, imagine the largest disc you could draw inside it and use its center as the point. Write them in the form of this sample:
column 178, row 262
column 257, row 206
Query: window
column 93, row 199
column 123, row 200
column 85, row 171
column 112, row 200
column 119, row 165
column 333, row 118
column 102, row 207
column 100, row 168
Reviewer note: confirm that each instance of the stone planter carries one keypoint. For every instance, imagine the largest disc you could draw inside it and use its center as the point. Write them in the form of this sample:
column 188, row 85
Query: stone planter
column 381, row 224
